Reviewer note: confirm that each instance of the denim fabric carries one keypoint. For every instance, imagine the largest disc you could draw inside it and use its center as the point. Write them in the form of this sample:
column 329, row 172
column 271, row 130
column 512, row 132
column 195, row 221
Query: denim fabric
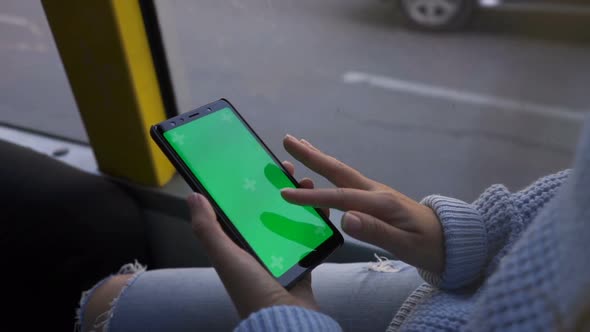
column 193, row 299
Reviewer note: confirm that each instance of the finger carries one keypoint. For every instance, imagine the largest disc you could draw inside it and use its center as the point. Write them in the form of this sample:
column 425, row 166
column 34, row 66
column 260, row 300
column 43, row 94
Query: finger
column 249, row 285
column 303, row 286
column 290, row 167
column 303, row 290
column 374, row 203
column 309, row 145
column 208, row 230
column 329, row 167
column 307, row 183
column 367, row 228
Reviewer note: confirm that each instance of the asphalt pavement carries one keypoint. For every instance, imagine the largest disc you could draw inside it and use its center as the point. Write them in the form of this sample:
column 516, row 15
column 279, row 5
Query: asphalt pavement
column 445, row 113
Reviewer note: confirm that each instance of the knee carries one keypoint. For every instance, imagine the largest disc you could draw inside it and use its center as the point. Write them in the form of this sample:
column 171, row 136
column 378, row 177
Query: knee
column 95, row 314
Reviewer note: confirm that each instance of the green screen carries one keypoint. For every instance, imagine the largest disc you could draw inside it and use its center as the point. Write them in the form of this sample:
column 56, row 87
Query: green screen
column 245, row 182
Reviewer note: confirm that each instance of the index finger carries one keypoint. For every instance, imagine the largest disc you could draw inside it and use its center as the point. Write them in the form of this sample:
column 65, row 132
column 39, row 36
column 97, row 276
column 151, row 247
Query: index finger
column 344, row 199
column 327, row 166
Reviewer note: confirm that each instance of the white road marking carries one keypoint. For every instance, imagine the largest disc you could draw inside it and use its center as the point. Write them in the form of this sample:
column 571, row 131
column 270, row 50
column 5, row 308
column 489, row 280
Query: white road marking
column 489, row 3
column 539, row 6
column 36, row 46
column 433, row 91
column 21, row 22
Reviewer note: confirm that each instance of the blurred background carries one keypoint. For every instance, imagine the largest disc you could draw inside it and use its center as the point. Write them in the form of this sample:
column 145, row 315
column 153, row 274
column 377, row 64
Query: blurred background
column 427, row 96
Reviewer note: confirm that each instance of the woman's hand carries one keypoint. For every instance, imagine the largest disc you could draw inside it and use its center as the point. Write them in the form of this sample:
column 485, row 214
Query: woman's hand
column 375, row 213
column 249, row 285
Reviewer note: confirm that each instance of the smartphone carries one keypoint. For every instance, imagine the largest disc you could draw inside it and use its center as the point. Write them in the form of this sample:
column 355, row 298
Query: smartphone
column 220, row 156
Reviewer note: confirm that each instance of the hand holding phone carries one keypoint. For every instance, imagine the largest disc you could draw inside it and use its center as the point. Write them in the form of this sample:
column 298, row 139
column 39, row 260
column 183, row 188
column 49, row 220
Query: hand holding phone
column 247, row 282
column 220, row 156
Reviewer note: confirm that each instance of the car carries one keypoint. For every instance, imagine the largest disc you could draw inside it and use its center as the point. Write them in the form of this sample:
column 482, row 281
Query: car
column 445, row 15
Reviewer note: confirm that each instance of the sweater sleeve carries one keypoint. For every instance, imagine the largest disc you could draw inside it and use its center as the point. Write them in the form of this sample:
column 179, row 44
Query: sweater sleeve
column 478, row 235
column 288, row 318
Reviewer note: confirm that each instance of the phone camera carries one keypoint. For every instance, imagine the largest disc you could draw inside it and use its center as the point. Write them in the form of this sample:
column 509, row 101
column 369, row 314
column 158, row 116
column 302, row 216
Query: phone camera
column 209, row 110
column 173, row 123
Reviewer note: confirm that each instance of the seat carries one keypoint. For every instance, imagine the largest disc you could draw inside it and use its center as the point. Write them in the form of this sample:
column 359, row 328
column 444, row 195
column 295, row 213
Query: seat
column 63, row 230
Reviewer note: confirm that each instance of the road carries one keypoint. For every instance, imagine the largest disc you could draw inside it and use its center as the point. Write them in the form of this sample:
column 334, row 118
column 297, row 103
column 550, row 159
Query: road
column 451, row 114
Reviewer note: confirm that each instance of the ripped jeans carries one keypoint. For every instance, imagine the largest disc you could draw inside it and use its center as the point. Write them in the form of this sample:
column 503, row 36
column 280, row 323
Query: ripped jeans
column 360, row 296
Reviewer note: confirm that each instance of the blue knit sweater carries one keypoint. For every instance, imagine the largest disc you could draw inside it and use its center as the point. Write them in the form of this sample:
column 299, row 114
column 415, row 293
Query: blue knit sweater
column 514, row 261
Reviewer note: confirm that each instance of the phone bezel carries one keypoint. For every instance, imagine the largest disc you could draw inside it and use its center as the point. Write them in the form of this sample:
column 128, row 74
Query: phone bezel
column 295, row 273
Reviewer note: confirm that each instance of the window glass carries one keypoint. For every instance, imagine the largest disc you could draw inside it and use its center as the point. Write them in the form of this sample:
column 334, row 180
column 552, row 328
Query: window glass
column 498, row 100
column 34, row 91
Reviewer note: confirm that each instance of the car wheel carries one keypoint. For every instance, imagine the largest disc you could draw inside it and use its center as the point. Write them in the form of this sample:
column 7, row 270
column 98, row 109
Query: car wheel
column 436, row 15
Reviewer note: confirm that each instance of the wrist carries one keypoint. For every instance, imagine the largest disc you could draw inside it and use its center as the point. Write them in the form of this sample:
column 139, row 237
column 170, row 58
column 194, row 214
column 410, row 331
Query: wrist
column 464, row 242
column 432, row 242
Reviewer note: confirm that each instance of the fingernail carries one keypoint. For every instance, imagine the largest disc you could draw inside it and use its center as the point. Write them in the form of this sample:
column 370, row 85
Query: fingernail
column 289, row 137
column 287, row 190
column 351, row 223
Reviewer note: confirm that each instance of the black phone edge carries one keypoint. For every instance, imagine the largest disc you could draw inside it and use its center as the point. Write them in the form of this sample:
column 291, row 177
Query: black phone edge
column 337, row 236
column 186, row 175
column 226, row 224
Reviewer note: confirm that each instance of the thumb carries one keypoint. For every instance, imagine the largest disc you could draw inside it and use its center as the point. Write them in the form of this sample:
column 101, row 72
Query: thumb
column 248, row 284
column 207, row 229
column 369, row 229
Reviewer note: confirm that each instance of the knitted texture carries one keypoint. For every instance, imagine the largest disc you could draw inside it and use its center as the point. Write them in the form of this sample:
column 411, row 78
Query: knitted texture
column 543, row 282
column 504, row 216
column 288, row 318
column 513, row 262
column 507, row 215
column 465, row 243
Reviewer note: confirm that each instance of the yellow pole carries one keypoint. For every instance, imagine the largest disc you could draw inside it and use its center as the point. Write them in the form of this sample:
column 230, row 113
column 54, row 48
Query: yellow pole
column 106, row 55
